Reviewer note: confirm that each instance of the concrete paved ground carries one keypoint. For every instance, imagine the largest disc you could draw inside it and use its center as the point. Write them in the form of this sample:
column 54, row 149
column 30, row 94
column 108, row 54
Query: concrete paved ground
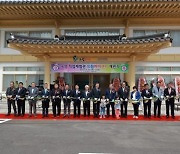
column 73, row 137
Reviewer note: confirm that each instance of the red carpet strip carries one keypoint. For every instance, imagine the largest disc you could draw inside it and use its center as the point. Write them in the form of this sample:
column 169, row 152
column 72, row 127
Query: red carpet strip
column 50, row 117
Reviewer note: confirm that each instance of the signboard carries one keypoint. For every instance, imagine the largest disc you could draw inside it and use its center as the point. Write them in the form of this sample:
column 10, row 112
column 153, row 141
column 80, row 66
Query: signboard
column 90, row 68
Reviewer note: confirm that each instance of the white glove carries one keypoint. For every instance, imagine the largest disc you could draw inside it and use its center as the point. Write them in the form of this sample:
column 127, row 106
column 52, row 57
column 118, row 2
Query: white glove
column 157, row 96
column 29, row 97
column 95, row 99
column 17, row 96
column 167, row 96
column 150, row 97
column 68, row 97
column 121, row 99
column 43, row 96
column 99, row 99
column 107, row 99
column 78, row 97
column 112, row 100
column 64, row 96
column 83, row 99
column 162, row 97
column 57, row 96
column 126, row 99
column 32, row 97
column 145, row 97
column 53, row 97
column 88, row 98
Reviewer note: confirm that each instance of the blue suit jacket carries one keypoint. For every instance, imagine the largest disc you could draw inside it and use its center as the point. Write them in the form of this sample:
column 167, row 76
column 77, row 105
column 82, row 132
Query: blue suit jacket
column 47, row 93
column 138, row 95
column 110, row 96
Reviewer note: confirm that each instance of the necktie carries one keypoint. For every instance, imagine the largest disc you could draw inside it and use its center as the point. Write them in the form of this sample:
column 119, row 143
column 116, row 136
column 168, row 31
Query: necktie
column 169, row 90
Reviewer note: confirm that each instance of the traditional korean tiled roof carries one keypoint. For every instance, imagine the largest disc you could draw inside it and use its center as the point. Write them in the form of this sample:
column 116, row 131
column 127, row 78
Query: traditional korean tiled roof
column 105, row 46
column 76, row 1
column 118, row 39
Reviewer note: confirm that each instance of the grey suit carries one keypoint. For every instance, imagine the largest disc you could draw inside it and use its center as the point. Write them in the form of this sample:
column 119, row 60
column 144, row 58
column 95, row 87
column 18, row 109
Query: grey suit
column 33, row 93
column 158, row 93
column 157, row 104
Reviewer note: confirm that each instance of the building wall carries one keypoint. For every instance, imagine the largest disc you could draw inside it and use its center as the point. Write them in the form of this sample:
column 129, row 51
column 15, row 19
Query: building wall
column 19, row 72
column 166, row 57
column 7, row 51
column 151, row 70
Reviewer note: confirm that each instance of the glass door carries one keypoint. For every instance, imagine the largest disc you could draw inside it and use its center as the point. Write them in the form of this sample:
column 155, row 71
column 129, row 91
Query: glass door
column 103, row 80
column 81, row 80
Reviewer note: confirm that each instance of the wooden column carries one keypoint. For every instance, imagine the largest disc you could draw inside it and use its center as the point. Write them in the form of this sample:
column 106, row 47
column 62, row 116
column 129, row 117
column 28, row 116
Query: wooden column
column 130, row 76
column 47, row 70
column 126, row 30
column 57, row 30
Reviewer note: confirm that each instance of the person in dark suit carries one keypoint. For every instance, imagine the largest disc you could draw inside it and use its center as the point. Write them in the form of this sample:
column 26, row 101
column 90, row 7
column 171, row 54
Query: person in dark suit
column 67, row 94
column 86, row 96
column 147, row 97
column 96, row 95
column 169, row 94
column 21, row 97
column 56, row 100
column 10, row 94
column 123, row 93
column 45, row 95
column 110, row 96
column 76, row 94
column 158, row 93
